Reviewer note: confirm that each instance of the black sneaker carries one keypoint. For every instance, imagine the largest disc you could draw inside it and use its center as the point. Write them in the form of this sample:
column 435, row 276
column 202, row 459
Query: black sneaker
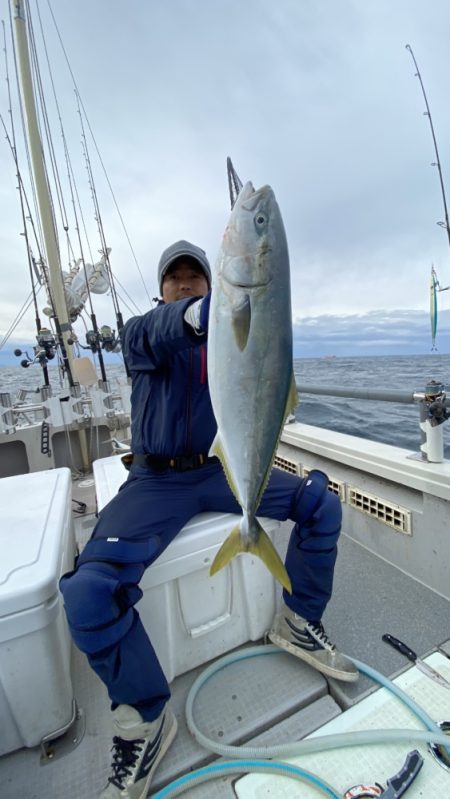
column 308, row 641
column 137, row 749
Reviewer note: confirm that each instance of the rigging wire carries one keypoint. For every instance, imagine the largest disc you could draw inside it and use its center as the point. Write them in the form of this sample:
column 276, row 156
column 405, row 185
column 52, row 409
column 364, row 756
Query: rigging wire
column 19, row 316
column 98, row 153
column 136, row 307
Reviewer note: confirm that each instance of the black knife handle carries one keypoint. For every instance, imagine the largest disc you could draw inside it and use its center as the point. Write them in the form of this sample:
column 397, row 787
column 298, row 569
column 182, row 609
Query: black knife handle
column 409, row 771
column 400, row 646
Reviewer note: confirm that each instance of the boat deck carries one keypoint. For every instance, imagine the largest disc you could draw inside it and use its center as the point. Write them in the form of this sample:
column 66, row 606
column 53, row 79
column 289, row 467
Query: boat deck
column 267, row 700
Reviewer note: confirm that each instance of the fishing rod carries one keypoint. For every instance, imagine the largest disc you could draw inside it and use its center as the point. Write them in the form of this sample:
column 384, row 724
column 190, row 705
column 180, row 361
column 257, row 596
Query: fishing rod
column 105, row 249
column 234, row 182
column 445, row 224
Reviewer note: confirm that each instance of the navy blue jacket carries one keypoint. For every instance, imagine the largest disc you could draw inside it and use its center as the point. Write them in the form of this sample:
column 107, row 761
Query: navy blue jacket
column 171, row 412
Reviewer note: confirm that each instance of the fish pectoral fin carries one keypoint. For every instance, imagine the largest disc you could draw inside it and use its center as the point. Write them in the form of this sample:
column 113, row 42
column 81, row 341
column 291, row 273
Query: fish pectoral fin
column 262, row 548
column 240, row 322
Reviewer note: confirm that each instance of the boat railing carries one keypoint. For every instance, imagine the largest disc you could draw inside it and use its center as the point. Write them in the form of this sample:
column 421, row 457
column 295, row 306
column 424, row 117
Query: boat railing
column 65, row 407
column 433, row 406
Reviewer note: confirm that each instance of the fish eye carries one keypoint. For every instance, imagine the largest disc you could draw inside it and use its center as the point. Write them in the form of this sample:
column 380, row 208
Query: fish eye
column 260, row 220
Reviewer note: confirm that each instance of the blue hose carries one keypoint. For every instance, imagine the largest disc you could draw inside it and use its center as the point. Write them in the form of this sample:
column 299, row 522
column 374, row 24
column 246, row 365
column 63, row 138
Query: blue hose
column 421, row 714
column 244, row 767
column 336, row 741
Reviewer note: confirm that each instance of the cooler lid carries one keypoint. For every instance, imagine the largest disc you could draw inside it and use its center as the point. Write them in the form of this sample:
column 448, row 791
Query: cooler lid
column 35, row 514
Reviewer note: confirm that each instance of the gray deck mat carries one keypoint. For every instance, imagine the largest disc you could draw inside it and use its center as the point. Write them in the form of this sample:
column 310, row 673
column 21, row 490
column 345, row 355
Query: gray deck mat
column 370, row 598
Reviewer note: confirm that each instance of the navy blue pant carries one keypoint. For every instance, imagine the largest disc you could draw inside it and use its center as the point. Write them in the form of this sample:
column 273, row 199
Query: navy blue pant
column 140, row 522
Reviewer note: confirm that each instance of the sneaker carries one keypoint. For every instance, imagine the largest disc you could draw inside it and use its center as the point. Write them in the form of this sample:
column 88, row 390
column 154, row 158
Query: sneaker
column 137, row 749
column 308, row 641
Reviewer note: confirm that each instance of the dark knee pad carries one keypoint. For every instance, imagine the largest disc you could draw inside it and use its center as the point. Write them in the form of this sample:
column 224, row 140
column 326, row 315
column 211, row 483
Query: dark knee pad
column 98, row 605
column 312, row 492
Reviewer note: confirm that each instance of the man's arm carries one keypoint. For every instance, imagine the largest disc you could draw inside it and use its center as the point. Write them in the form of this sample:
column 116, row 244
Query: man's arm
column 148, row 341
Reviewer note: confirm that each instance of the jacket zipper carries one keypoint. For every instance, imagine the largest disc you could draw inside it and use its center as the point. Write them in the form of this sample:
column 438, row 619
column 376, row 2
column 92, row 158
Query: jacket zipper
column 202, row 364
column 189, row 404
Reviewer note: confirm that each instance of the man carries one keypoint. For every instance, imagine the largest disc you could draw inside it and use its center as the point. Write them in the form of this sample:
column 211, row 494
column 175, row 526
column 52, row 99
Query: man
column 171, row 479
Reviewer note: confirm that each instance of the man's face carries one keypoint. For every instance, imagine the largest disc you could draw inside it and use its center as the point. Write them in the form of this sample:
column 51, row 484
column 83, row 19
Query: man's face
column 183, row 280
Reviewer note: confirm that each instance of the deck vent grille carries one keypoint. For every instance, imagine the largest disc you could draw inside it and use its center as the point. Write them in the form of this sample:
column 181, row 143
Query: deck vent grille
column 385, row 512
column 336, row 486
column 293, row 467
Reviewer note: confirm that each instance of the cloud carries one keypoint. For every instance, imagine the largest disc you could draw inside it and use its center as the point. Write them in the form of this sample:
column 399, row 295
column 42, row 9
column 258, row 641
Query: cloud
column 318, row 99
column 400, row 332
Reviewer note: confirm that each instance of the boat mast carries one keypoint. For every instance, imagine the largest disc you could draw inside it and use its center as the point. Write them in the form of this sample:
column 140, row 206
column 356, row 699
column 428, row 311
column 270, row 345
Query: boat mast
column 45, row 210
column 42, row 189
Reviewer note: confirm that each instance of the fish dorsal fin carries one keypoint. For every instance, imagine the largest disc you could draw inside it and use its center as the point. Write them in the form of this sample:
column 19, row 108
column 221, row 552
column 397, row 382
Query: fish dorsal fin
column 240, row 320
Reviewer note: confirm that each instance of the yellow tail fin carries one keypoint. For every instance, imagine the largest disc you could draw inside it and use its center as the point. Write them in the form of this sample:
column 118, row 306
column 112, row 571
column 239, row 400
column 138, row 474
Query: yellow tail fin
column 262, row 547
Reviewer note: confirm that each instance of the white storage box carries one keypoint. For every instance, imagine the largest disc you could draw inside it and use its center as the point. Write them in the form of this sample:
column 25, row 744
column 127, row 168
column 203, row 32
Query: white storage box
column 37, row 545
column 191, row 617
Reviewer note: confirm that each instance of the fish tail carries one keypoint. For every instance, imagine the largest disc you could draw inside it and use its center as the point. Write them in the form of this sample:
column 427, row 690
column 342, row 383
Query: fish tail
column 262, row 547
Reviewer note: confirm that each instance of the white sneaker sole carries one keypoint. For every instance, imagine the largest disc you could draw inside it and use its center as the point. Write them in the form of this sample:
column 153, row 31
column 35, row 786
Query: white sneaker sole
column 303, row 654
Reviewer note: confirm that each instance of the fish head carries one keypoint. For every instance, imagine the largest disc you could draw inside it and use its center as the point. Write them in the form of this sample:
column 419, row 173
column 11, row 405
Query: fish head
column 253, row 240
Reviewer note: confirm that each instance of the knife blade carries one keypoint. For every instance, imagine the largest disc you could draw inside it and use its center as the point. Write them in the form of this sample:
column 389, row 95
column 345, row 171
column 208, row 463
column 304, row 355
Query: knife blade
column 412, row 656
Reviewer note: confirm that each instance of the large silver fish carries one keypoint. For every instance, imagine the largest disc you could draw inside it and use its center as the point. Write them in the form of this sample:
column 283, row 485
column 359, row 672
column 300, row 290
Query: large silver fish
column 250, row 368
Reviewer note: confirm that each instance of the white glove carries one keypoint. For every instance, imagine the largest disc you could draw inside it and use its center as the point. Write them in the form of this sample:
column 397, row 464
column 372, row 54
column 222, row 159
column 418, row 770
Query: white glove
column 192, row 316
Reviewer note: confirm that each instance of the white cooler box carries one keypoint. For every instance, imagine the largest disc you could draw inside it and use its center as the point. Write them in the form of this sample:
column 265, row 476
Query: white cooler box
column 37, row 545
column 191, row 617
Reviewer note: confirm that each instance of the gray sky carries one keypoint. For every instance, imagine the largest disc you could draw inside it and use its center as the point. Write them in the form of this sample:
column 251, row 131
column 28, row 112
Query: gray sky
column 316, row 98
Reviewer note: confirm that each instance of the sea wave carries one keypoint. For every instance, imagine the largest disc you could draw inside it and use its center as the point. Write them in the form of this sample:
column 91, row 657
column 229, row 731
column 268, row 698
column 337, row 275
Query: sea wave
column 387, row 422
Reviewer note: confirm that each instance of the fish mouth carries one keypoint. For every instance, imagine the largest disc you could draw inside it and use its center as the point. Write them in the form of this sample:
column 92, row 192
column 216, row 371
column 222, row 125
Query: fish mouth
column 248, row 286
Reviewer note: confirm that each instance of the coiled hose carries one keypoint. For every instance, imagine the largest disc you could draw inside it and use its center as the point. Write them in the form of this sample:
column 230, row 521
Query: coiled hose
column 247, row 756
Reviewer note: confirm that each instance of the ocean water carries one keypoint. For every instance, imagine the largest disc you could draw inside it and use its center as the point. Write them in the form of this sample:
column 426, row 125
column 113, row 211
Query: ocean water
column 387, row 422
column 391, row 423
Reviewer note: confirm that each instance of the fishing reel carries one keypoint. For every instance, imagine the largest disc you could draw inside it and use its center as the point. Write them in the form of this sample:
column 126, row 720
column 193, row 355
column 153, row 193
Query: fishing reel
column 110, row 342
column 44, row 351
column 104, row 338
column 46, row 345
column 92, row 340
column 435, row 396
